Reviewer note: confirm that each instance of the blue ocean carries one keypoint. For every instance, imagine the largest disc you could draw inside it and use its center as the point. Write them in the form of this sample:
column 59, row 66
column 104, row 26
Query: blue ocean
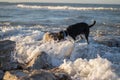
column 26, row 24
column 60, row 15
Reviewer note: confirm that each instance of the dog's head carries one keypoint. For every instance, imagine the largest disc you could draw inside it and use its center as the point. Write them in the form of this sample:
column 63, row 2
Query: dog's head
column 54, row 36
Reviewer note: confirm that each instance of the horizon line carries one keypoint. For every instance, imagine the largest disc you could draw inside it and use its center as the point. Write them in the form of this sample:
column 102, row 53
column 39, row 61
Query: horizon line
column 63, row 3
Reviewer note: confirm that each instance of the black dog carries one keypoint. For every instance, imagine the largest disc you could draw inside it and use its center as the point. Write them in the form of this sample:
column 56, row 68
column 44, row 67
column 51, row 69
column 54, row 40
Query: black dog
column 75, row 30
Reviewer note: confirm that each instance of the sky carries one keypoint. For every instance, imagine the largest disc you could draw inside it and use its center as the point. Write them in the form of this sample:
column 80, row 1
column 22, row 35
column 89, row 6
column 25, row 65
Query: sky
column 68, row 1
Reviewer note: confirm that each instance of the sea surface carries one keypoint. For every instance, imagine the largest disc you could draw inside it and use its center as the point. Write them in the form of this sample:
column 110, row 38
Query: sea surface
column 26, row 23
column 60, row 15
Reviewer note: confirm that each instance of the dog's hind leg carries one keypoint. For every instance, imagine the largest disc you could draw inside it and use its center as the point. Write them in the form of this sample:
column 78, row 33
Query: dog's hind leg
column 86, row 36
column 81, row 36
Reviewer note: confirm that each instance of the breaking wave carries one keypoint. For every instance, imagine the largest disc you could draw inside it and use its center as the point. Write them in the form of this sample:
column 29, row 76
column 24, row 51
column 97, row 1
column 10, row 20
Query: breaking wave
column 79, row 60
column 64, row 7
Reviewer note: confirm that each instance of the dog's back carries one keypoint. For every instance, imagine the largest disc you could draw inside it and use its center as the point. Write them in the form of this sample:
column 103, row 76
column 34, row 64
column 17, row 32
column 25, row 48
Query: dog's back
column 76, row 29
column 79, row 28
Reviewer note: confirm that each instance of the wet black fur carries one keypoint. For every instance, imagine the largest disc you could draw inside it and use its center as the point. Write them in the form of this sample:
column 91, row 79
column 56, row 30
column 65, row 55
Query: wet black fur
column 77, row 29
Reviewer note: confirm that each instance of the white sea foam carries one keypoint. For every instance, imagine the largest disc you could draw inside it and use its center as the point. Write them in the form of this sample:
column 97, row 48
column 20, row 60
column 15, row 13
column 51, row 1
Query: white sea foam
column 94, row 69
column 79, row 59
column 64, row 7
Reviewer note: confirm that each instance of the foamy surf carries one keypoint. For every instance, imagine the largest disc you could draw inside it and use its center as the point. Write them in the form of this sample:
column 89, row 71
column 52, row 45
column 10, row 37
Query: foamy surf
column 79, row 60
column 94, row 69
column 64, row 7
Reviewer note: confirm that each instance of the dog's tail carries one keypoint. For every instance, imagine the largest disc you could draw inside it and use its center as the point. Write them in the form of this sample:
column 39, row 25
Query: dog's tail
column 92, row 24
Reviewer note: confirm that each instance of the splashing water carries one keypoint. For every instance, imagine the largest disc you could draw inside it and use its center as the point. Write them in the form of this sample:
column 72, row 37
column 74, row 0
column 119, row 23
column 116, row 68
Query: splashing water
column 79, row 60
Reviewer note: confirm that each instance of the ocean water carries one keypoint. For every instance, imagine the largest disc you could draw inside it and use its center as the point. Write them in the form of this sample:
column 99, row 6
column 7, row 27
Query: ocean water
column 26, row 23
